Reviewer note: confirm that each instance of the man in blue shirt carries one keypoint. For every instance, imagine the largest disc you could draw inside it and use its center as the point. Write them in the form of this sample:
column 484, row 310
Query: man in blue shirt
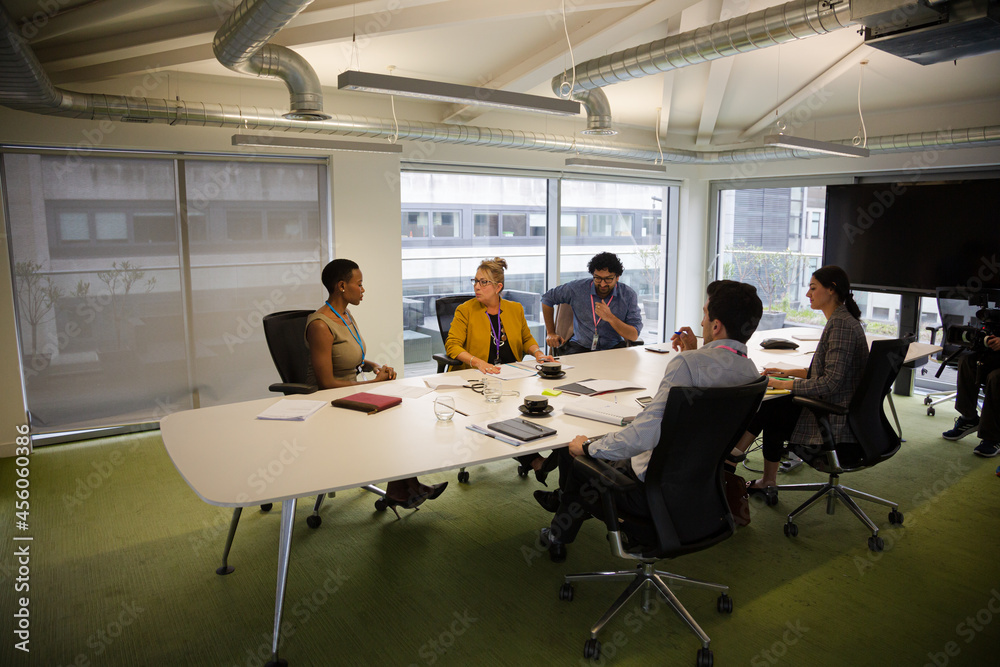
column 605, row 313
column 731, row 315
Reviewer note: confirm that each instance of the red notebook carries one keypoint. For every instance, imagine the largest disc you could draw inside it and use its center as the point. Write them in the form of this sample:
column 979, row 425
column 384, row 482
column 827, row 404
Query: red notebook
column 365, row 402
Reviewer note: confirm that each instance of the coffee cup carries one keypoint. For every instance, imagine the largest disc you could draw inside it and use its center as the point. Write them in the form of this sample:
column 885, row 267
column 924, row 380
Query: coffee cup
column 549, row 368
column 535, row 403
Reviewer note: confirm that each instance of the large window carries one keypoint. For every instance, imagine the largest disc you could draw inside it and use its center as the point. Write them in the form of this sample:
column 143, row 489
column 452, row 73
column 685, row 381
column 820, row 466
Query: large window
column 626, row 219
column 451, row 222
column 109, row 333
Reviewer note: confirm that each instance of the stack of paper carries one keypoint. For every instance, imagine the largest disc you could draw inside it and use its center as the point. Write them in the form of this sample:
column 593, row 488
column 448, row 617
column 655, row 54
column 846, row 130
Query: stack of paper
column 291, row 410
column 600, row 410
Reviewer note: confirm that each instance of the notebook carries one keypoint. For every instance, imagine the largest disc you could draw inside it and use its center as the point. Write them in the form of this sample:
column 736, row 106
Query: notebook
column 592, row 387
column 600, row 410
column 521, row 429
column 366, row 402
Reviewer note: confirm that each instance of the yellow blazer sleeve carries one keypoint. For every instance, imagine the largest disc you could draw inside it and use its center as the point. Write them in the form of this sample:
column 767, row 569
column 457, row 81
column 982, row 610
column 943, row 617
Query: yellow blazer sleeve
column 459, row 334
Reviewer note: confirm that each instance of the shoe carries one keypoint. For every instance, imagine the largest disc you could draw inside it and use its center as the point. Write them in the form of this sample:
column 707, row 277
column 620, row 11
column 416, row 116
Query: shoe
column 557, row 551
column 760, row 490
column 962, row 428
column 435, row 490
column 548, row 465
column 987, row 449
column 549, row 500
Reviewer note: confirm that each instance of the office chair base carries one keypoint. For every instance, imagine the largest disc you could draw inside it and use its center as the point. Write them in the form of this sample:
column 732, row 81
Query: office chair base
column 646, row 578
column 832, row 491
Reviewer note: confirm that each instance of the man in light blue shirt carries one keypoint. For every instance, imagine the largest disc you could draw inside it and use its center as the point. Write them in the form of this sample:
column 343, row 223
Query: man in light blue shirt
column 730, row 317
column 605, row 312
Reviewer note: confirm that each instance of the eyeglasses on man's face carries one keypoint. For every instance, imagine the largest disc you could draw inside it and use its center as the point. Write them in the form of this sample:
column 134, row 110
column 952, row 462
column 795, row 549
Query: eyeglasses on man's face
column 607, row 280
column 482, row 282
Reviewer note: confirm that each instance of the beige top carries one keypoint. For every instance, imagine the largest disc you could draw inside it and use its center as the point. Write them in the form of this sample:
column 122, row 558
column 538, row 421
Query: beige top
column 347, row 354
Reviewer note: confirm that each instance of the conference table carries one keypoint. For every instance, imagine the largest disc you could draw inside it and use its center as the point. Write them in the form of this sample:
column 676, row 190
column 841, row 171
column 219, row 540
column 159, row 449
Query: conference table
column 232, row 459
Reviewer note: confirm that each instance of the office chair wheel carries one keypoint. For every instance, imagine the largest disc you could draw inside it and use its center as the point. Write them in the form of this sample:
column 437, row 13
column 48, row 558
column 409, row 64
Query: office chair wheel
column 463, row 477
column 927, row 400
column 875, row 543
column 771, row 497
column 791, row 530
column 566, row 592
column 266, row 507
column 930, row 411
column 523, row 470
column 704, row 658
column 724, row 604
column 381, row 505
column 592, row 649
column 313, row 521
column 896, row 517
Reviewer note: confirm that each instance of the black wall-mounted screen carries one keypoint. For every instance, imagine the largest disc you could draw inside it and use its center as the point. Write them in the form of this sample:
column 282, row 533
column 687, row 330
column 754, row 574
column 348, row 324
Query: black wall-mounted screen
column 915, row 237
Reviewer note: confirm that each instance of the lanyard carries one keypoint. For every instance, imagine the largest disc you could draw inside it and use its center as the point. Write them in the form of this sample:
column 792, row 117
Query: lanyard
column 726, row 347
column 496, row 333
column 593, row 313
column 354, row 334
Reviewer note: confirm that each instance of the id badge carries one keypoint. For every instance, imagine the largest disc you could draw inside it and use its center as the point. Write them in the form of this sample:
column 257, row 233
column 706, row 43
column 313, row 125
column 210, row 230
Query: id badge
column 593, row 343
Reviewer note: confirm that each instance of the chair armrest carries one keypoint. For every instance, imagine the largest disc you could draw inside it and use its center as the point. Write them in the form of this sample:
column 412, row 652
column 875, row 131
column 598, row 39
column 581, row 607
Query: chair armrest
column 821, row 408
column 933, row 331
column 601, row 472
column 293, row 388
column 444, row 361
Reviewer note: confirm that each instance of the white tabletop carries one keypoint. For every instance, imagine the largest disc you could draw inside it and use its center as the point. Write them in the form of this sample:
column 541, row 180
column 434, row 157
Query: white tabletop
column 802, row 356
column 231, row 459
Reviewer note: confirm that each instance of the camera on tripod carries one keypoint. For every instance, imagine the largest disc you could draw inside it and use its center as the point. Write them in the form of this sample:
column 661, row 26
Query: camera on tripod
column 987, row 323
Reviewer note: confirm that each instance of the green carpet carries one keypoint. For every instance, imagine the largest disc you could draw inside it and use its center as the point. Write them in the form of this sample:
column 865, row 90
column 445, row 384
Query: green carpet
column 124, row 553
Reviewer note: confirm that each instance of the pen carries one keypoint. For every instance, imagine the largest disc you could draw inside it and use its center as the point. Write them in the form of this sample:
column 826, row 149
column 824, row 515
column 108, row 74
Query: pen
column 509, row 441
column 532, row 425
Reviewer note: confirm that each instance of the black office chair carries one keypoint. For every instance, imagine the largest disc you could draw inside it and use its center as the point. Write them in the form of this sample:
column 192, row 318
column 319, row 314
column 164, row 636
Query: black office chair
column 687, row 500
column 445, row 308
column 285, row 335
column 953, row 313
column 876, row 441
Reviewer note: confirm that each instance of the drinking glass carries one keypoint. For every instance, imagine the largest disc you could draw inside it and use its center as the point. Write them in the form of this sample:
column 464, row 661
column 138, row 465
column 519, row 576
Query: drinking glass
column 492, row 389
column 444, row 408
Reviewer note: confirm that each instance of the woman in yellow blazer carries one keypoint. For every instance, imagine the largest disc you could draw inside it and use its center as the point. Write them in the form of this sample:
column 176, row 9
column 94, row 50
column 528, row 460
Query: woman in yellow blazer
column 488, row 331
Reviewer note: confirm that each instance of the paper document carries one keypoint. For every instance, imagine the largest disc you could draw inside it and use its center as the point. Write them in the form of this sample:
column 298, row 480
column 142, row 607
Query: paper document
column 402, row 391
column 600, row 410
column 512, row 372
column 808, row 336
column 291, row 410
column 782, row 366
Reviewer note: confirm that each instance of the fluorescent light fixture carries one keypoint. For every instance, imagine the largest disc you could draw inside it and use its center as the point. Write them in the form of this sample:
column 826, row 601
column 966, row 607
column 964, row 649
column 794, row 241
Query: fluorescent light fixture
column 315, row 144
column 453, row 92
column 799, row 143
column 615, row 164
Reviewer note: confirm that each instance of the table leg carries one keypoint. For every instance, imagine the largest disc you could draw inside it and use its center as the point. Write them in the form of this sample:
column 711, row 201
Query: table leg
column 226, row 568
column 899, row 429
column 284, row 550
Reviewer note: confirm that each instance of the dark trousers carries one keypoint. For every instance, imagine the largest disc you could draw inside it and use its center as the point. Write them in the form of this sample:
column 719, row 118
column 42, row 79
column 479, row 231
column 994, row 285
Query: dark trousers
column 580, row 498
column 776, row 418
column 972, row 375
column 572, row 347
